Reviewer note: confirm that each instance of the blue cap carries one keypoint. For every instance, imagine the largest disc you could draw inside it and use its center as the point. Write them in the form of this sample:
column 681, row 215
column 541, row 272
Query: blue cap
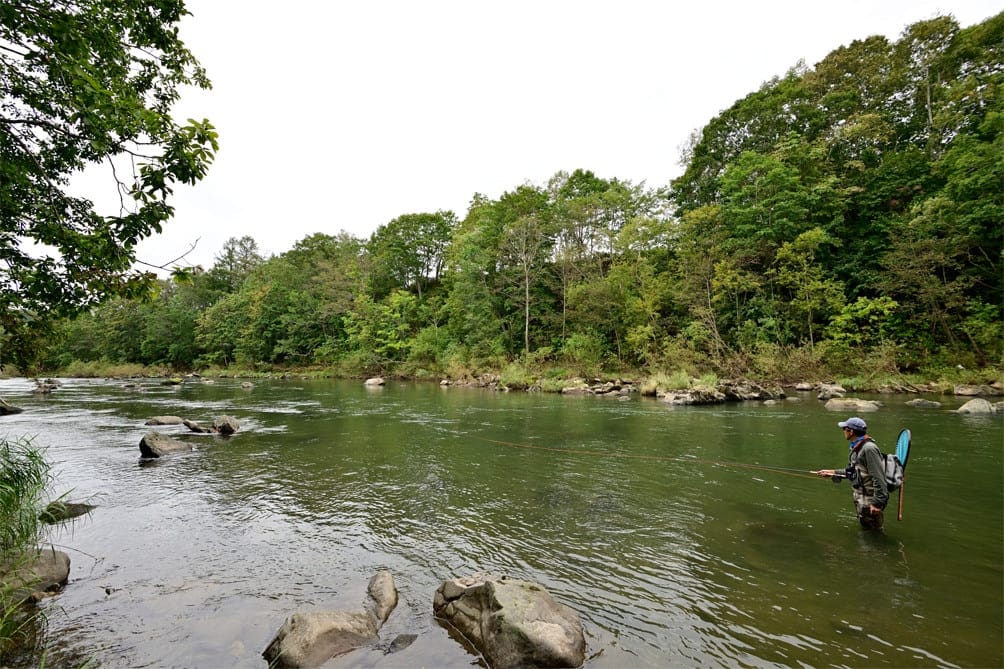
column 854, row 423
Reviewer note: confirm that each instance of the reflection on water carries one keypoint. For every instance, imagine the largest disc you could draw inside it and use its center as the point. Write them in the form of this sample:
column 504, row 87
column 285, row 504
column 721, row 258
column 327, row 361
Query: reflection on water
column 630, row 512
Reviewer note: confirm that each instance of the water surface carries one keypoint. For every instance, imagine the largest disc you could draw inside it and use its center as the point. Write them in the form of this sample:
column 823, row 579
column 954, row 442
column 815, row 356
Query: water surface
column 633, row 513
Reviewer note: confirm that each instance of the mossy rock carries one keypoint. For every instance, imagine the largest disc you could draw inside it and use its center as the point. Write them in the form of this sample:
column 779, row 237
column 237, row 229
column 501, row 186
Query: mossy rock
column 57, row 512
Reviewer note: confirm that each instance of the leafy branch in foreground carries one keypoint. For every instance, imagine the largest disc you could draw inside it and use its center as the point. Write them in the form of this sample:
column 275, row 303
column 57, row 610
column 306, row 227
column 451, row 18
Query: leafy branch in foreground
column 86, row 83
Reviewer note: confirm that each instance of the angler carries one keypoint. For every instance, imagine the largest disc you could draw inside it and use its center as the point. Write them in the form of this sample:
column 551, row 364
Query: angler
column 866, row 471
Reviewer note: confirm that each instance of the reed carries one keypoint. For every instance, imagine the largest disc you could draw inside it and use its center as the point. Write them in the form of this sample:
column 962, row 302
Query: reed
column 24, row 477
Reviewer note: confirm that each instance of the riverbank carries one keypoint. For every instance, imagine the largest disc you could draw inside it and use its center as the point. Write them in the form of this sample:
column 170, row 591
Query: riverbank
column 959, row 381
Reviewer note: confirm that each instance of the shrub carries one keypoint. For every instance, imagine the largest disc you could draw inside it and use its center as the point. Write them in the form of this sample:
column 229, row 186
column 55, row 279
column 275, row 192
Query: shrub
column 515, row 375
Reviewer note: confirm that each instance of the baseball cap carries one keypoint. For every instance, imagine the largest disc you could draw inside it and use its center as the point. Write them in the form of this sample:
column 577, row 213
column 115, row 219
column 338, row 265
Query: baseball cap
column 853, row 423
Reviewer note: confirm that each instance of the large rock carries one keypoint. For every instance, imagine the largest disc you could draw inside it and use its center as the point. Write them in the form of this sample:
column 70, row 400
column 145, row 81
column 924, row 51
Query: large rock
column 512, row 623
column 226, row 425
column 976, row 406
column 374, row 381
column 156, row 445
column 308, row 639
column 851, row 404
column 46, row 573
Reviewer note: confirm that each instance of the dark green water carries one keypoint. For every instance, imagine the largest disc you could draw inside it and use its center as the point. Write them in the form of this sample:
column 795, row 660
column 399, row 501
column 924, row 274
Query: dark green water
column 624, row 510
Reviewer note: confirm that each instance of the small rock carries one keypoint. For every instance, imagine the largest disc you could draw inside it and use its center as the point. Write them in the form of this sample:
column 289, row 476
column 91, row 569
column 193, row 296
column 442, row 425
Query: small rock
column 164, row 420
column 57, row 512
column 400, row 642
column 196, row 427
column 829, row 391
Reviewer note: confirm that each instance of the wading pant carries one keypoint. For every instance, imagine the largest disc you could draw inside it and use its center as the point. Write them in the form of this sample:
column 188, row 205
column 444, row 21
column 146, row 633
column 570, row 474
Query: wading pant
column 867, row 520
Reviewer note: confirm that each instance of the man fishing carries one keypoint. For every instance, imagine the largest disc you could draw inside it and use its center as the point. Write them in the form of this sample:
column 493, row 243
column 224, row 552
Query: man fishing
column 866, row 471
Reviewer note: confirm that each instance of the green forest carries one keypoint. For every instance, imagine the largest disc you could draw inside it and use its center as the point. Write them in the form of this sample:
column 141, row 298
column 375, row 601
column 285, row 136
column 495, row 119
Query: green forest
column 844, row 219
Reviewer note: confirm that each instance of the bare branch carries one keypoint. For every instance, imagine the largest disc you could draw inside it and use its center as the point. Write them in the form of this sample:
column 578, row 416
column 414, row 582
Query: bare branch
column 171, row 262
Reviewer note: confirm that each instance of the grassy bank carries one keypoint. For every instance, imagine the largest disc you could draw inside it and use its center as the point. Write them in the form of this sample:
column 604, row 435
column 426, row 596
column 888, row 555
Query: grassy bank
column 782, row 371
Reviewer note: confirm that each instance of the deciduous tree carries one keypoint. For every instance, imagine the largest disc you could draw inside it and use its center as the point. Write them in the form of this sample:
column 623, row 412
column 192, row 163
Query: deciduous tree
column 87, row 82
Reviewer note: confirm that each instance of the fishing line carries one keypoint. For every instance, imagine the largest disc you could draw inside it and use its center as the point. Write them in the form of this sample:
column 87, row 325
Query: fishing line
column 660, row 458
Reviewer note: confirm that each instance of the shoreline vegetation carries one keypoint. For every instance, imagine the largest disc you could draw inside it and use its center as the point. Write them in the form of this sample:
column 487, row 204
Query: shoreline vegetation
column 841, row 225
column 957, row 381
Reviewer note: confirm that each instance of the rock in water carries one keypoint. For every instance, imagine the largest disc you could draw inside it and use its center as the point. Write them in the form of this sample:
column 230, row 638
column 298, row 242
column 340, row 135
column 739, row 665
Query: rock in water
column 515, row 624
column 155, row 445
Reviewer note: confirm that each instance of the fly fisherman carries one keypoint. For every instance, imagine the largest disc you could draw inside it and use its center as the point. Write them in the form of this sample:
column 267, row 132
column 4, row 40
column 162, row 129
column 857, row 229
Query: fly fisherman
column 866, row 470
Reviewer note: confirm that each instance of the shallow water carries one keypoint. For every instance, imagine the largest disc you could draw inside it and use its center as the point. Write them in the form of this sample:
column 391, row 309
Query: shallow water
column 633, row 513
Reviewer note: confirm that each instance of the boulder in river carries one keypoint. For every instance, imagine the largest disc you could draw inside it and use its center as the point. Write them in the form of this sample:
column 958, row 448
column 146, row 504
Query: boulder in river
column 374, row 381
column 311, row 638
column 197, row 427
column 851, row 404
column 164, row 420
column 7, row 409
column 58, row 511
column 976, row 406
column 47, row 572
column 921, row 403
column 156, row 445
column 226, row 425
column 514, row 624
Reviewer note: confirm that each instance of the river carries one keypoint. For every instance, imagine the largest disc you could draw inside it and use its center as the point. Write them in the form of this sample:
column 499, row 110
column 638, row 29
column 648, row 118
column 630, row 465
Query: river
column 653, row 522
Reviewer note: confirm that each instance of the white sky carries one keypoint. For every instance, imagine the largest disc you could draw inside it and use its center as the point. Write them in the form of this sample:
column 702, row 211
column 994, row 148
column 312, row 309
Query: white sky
column 344, row 115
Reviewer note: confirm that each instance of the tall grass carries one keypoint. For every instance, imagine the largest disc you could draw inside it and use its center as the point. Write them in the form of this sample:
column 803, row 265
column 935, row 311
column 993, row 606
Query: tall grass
column 24, row 477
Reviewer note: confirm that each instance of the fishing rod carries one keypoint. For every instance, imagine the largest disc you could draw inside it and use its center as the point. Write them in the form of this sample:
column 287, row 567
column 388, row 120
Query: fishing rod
column 661, row 458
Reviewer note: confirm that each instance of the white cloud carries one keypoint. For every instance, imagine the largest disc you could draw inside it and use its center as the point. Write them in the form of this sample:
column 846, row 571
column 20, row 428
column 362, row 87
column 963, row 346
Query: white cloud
column 345, row 115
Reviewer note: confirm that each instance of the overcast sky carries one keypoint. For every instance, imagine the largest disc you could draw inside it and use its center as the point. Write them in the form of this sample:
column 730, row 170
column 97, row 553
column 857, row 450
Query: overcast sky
column 344, row 115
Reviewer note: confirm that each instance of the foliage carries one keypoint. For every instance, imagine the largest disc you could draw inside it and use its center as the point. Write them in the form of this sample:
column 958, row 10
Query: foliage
column 843, row 218
column 87, row 83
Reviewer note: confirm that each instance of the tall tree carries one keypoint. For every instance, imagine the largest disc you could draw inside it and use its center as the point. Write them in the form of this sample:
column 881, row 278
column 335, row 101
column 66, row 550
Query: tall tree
column 83, row 83
column 234, row 263
column 408, row 253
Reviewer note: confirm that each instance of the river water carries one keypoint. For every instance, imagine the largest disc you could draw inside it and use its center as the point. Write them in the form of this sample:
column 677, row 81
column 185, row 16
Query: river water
column 653, row 522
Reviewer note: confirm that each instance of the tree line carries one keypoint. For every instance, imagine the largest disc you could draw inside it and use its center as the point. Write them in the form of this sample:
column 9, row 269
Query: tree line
column 843, row 217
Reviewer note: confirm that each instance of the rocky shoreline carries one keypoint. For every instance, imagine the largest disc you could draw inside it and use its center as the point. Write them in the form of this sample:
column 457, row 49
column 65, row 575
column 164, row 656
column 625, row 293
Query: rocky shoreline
column 732, row 390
